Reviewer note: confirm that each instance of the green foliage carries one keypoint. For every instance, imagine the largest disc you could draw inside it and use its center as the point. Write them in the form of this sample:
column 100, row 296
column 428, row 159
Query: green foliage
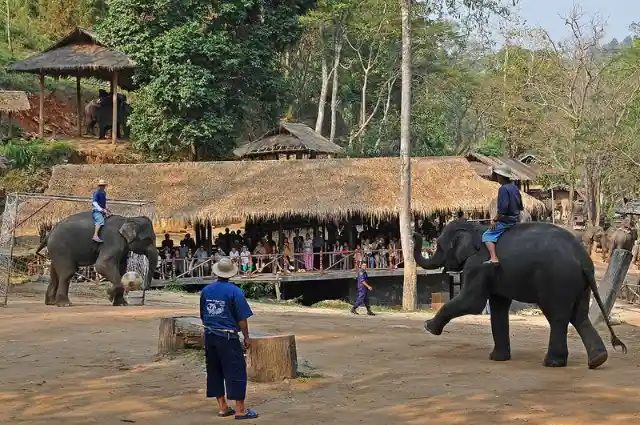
column 205, row 68
column 492, row 145
column 258, row 290
column 33, row 155
column 25, row 180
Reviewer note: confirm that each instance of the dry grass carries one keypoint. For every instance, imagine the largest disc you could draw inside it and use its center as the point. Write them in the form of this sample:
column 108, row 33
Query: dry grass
column 229, row 191
column 13, row 101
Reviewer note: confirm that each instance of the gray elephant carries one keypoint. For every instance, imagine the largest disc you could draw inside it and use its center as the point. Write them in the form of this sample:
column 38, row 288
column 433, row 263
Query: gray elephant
column 70, row 246
column 592, row 234
column 540, row 263
column 100, row 112
column 623, row 237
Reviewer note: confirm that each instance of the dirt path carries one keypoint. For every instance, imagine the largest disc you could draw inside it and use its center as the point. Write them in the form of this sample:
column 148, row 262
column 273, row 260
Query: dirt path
column 93, row 364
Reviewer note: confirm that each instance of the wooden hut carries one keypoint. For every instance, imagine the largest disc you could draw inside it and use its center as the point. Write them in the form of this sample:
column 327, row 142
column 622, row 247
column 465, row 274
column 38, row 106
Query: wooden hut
column 525, row 174
column 13, row 101
column 81, row 55
column 290, row 141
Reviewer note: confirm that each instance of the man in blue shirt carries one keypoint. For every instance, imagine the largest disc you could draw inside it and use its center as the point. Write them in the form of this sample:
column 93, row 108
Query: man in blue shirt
column 508, row 211
column 100, row 210
column 363, row 290
column 224, row 312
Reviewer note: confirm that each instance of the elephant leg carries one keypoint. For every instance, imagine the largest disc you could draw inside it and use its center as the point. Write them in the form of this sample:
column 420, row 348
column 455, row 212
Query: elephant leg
column 558, row 317
column 112, row 273
column 596, row 350
column 472, row 299
column 64, row 277
column 52, row 289
column 500, row 327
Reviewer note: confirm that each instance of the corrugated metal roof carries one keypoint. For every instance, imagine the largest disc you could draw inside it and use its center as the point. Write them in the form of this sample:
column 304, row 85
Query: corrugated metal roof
column 631, row 207
column 522, row 171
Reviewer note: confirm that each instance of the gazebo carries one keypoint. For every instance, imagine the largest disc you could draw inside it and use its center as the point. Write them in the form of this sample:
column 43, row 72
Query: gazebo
column 13, row 101
column 81, row 55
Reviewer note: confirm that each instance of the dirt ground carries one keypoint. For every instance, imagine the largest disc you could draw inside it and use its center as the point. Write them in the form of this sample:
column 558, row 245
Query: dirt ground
column 94, row 364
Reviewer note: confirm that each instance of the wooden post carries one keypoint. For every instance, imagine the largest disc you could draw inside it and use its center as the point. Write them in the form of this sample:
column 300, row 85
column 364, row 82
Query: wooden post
column 41, row 123
column 611, row 284
column 10, row 127
column 178, row 333
column 79, row 105
column 553, row 206
column 114, row 121
column 272, row 358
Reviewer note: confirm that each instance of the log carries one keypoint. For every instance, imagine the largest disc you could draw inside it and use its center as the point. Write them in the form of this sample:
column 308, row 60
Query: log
column 611, row 284
column 178, row 333
column 272, row 358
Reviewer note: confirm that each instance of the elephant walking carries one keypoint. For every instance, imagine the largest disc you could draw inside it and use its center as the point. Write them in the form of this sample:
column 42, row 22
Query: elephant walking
column 70, row 247
column 621, row 238
column 540, row 263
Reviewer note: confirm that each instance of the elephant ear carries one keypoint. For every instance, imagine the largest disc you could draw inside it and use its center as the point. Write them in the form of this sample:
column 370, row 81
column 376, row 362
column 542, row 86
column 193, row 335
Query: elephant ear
column 129, row 230
column 466, row 243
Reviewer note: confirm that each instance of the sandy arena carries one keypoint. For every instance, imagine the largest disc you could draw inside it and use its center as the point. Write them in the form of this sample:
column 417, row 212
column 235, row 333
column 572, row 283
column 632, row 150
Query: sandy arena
column 94, row 364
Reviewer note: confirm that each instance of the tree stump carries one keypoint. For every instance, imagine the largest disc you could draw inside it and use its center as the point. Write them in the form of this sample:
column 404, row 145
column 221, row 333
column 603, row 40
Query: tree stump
column 272, row 358
column 178, row 333
column 611, row 284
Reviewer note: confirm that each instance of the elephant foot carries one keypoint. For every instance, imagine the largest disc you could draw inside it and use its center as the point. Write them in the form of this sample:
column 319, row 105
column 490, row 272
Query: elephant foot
column 63, row 303
column 551, row 362
column 500, row 356
column 49, row 301
column 598, row 360
column 431, row 328
column 120, row 302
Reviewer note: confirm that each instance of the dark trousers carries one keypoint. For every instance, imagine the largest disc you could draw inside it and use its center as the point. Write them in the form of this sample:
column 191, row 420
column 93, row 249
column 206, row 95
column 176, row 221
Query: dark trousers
column 225, row 365
column 363, row 299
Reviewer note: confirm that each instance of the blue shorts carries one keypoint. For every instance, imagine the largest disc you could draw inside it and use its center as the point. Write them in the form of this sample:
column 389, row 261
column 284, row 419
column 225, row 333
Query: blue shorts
column 494, row 235
column 98, row 218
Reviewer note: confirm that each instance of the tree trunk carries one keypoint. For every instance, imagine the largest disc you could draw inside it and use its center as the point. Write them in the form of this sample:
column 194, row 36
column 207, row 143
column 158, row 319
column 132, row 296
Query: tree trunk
column 322, row 102
column 611, row 284
column 410, row 290
column 178, row 333
column 272, row 358
column 334, row 86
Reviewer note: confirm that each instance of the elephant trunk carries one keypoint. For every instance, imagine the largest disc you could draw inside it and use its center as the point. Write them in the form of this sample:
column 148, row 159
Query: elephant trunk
column 152, row 257
column 432, row 263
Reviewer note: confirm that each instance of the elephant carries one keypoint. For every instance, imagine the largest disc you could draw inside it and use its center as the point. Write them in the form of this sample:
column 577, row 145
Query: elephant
column 540, row 263
column 623, row 237
column 70, row 246
column 100, row 111
column 590, row 235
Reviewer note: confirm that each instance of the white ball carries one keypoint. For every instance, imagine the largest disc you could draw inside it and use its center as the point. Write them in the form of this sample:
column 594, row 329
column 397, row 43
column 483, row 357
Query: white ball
column 132, row 281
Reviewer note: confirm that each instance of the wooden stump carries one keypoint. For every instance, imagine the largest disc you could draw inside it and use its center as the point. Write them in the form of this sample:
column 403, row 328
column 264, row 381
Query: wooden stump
column 611, row 284
column 272, row 358
column 180, row 332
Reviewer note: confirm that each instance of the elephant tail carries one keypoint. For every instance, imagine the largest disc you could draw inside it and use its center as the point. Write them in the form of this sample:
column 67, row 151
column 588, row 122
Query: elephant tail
column 596, row 295
column 42, row 245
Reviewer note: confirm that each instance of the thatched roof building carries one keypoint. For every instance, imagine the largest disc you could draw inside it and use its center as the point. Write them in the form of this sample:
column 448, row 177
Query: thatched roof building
column 289, row 140
column 13, row 101
column 229, row 191
column 80, row 54
column 483, row 165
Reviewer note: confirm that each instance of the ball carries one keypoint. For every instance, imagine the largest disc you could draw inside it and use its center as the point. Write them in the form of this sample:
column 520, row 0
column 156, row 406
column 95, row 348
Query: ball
column 132, row 281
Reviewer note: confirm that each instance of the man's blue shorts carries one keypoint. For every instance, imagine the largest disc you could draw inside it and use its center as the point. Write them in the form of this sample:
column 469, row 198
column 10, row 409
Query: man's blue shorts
column 98, row 218
column 494, row 235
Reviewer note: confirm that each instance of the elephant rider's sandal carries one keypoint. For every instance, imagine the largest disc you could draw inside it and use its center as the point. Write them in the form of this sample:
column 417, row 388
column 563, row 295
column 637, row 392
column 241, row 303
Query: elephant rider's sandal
column 251, row 414
column 229, row 412
column 491, row 262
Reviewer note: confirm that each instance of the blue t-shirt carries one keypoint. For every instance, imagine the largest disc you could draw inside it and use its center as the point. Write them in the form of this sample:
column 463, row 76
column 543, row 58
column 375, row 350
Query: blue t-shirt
column 100, row 197
column 509, row 203
column 362, row 277
column 222, row 307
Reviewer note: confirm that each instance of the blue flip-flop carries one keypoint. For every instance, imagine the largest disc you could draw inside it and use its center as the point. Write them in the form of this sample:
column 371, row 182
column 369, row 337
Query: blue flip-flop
column 251, row 414
column 228, row 413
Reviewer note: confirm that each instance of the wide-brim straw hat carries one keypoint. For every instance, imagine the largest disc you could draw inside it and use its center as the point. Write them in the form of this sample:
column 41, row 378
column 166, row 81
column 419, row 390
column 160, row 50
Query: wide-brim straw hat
column 225, row 268
column 102, row 182
column 504, row 171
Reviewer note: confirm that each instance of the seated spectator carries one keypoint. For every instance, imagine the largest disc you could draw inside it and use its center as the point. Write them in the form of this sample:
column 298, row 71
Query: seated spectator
column 245, row 260
column 235, row 256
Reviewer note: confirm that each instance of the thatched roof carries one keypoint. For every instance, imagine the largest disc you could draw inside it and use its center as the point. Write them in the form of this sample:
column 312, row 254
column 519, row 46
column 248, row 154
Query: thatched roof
column 234, row 191
column 483, row 165
column 289, row 138
column 80, row 54
column 13, row 101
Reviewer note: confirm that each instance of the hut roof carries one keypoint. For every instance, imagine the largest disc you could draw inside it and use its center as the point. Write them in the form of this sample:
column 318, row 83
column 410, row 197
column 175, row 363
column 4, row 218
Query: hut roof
column 80, row 54
column 289, row 138
column 13, row 101
column 631, row 207
column 231, row 190
column 483, row 164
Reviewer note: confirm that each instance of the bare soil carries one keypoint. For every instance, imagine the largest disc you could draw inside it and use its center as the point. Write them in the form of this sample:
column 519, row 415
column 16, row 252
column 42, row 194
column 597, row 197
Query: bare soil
column 95, row 364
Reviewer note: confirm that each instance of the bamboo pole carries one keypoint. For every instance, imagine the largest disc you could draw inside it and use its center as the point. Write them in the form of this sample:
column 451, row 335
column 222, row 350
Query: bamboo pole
column 114, row 121
column 41, row 123
column 79, row 104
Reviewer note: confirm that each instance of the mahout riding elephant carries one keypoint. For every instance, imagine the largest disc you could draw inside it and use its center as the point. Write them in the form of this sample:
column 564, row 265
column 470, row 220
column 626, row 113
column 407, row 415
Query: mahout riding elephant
column 540, row 263
column 100, row 111
column 70, row 246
